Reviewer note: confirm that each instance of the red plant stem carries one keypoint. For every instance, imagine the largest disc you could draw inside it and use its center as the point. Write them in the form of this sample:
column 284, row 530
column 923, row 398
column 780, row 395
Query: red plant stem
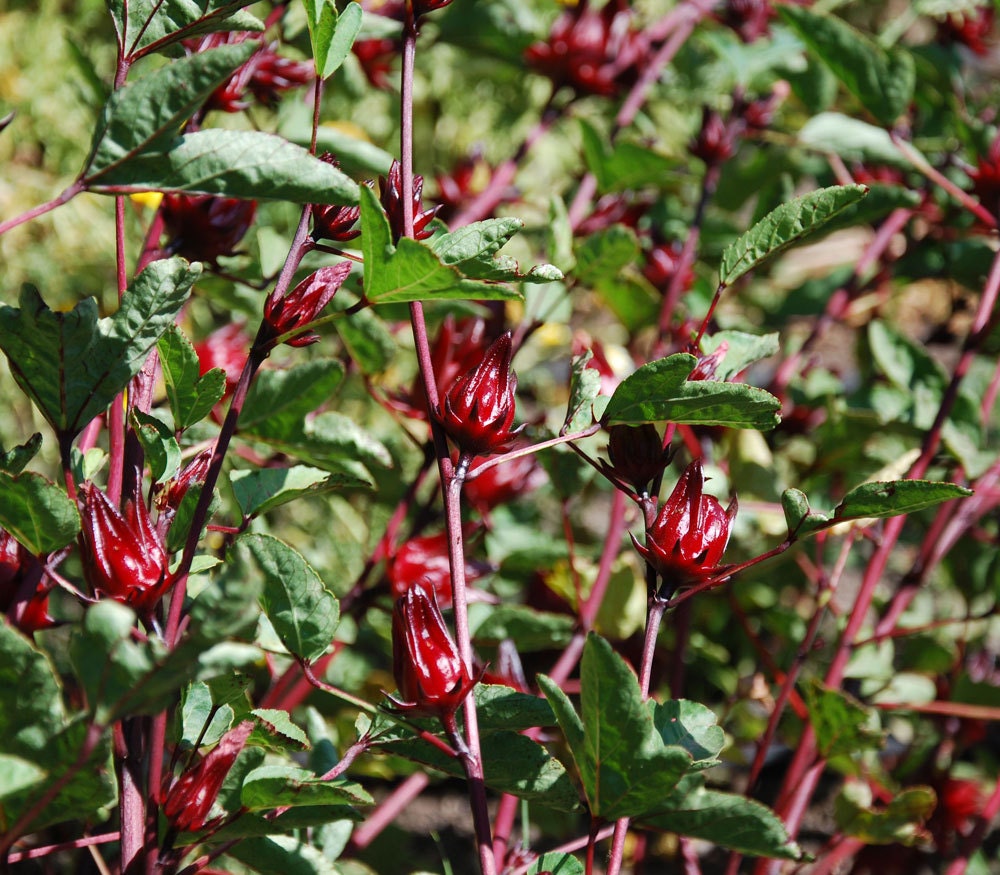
column 21, row 825
column 568, row 848
column 116, row 413
column 488, row 199
column 654, row 617
column 934, row 175
column 503, row 824
column 132, row 802
column 42, row 209
column 451, row 481
column 388, row 810
column 529, row 451
column 47, row 850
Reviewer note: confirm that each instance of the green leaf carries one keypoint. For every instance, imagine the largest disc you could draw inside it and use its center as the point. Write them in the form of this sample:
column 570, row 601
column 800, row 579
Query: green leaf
column 411, row 270
column 108, row 661
column 281, row 855
column 843, row 726
column 331, row 35
column 584, row 387
column 277, row 786
column 786, row 226
column 278, row 723
column 13, row 461
column 742, row 350
column 691, row 726
column 201, row 717
column 369, row 342
column 279, row 400
column 659, row 391
column 882, row 81
column 153, row 25
column 191, row 396
column 899, row 822
column 37, row 513
column 148, row 114
column 725, row 819
column 71, row 364
column 17, row 775
column 241, row 164
column 879, row 500
column 262, row 489
column 512, row 763
column 529, row 629
column 852, row 139
column 304, row 613
column 163, row 453
column 501, row 708
column 605, row 261
column 355, row 156
column 800, row 518
column 621, row 166
column 555, row 863
column 626, row 766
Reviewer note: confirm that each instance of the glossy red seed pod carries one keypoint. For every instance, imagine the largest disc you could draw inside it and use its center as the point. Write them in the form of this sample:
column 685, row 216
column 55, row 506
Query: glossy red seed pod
column 637, row 454
column 24, row 595
column 431, row 676
column 478, row 411
column 425, row 558
column 686, row 541
column 391, row 197
column 189, row 801
column 124, row 558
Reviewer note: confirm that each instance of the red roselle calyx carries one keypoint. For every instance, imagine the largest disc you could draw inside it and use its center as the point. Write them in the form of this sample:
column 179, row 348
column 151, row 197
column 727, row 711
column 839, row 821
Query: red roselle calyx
column 203, row 227
column 391, row 196
column 303, row 304
column 431, row 676
column 426, row 559
column 503, row 483
column 170, row 497
column 24, row 596
column 686, row 541
column 334, row 222
column 124, row 558
column 478, row 411
column 637, row 454
column 190, row 799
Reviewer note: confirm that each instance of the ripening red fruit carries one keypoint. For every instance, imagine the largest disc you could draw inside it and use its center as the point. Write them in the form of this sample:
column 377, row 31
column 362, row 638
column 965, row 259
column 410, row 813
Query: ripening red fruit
column 686, row 541
column 431, row 676
column 593, row 52
column 303, row 304
column 24, row 596
column 478, row 411
column 637, row 454
column 124, row 558
column 205, row 228
column 334, row 222
column 504, row 483
column 189, row 801
column 425, row 558
column 391, row 196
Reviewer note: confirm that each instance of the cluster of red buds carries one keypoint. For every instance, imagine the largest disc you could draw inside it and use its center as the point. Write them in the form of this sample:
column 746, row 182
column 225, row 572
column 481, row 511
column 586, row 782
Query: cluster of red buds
column 391, row 196
column 477, row 412
column 432, row 678
column 295, row 310
column 592, row 52
column 685, row 543
column 24, row 596
column 124, row 558
column 264, row 77
column 425, row 558
column 205, row 228
column 189, row 801
column 969, row 28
